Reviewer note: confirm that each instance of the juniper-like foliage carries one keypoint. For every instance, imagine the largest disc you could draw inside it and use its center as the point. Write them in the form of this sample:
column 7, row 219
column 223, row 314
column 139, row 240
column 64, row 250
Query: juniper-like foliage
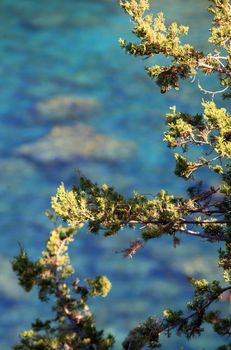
column 204, row 212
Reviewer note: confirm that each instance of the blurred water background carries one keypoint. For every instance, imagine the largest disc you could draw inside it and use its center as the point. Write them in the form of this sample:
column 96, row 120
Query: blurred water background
column 71, row 99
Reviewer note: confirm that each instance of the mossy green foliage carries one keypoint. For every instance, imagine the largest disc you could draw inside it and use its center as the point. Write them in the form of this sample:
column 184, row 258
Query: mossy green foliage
column 155, row 37
column 99, row 286
column 73, row 325
column 205, row 212
column 210, row 129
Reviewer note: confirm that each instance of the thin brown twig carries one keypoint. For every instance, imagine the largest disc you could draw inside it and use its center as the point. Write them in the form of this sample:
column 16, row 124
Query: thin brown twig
column 191, row 222
column 202, row 235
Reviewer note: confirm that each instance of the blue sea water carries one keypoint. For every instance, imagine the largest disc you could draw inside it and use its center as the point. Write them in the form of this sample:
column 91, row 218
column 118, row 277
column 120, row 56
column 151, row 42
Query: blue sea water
column 56, row 48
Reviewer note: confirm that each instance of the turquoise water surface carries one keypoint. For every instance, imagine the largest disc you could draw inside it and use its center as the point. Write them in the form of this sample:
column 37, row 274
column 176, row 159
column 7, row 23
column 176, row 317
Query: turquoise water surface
column 62, row 72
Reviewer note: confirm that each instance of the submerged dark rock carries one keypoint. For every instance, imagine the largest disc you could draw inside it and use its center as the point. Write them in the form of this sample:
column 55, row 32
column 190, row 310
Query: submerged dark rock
column 67, row 106
column 65, row 143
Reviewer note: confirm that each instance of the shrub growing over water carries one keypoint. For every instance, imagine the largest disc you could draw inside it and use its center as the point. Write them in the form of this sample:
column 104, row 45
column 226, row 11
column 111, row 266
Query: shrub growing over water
column 205, row 212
